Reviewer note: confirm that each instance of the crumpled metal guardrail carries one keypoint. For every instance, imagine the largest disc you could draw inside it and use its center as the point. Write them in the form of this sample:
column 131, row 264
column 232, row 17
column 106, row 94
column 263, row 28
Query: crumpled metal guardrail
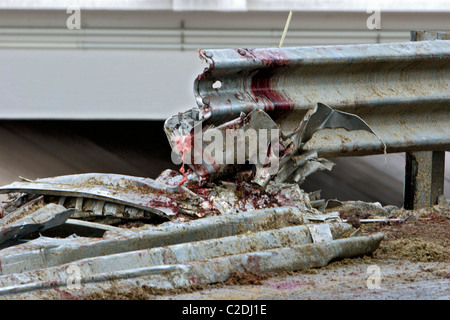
column 374, row 98
column 402, row 91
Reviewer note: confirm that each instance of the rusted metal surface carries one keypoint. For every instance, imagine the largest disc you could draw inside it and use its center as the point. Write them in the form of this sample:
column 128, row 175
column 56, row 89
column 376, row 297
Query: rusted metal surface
column 422, row 35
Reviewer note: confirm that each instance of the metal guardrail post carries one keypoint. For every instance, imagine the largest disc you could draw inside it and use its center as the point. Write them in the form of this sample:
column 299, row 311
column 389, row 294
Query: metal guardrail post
column 424, row 170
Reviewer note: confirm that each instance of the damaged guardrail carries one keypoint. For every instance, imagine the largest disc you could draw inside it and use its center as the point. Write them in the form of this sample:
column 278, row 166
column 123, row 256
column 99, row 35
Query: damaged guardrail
column 401, row 90
column 236, row 208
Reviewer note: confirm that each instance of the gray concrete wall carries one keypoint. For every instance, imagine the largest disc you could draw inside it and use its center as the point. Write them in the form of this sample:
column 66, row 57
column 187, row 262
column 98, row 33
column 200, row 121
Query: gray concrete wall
column 141, row 64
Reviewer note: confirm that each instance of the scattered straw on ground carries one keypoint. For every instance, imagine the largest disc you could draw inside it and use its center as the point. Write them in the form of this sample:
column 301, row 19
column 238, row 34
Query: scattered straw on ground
column 418, row 241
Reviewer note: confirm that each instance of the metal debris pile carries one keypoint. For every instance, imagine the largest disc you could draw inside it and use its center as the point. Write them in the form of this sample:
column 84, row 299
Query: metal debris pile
column 206, row 190
column 294, row 163
column 115, row 199
column 195, row 226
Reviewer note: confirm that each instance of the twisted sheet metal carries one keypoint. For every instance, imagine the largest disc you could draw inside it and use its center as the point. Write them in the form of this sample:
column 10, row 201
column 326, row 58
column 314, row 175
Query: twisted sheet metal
column 151, row 195
column 49, row 216
column 401, row 90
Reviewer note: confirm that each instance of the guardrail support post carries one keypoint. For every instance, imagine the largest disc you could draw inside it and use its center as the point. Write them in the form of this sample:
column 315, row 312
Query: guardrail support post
column 424, row 170
column 424, row 178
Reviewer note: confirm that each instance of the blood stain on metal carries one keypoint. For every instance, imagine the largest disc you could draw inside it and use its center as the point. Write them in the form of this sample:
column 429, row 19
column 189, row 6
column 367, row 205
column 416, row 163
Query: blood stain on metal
column 275, row 102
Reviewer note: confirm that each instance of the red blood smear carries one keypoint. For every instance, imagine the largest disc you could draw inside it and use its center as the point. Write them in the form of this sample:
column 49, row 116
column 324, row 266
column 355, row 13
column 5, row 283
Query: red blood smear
column 274, row 101
column 184, row 179
column 184, row 144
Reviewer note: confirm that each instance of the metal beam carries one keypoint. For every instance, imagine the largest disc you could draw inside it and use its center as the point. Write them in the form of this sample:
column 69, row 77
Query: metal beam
column 402, row 91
